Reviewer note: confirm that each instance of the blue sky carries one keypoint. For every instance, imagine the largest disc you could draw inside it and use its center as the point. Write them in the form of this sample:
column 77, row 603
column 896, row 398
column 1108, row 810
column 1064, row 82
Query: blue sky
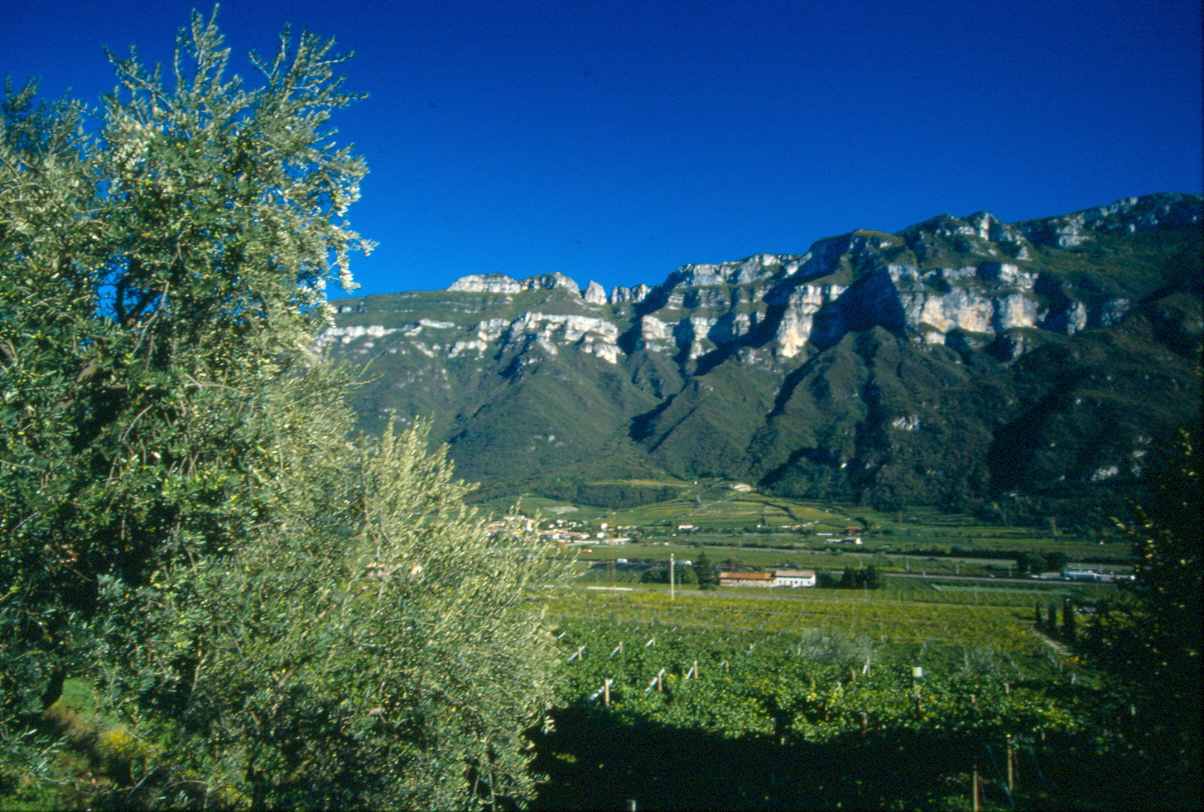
column 614, row 141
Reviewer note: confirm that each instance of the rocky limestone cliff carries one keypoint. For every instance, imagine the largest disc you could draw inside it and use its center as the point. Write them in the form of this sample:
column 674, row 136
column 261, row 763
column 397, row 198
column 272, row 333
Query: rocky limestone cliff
column 935, row 283
column 782, row 355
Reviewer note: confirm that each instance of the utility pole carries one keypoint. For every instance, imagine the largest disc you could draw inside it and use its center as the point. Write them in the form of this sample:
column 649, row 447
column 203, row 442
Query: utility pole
column 672, row 576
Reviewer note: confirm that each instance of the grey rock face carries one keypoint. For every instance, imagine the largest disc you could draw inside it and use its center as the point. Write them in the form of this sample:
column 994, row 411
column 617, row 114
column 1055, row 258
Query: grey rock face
column 623, row 295
column 594, row 294
column 486, row 283
column 937, row 283
column 958, row 358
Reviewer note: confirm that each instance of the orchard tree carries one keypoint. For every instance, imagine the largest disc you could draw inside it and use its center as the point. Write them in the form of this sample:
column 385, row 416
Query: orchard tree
column 706, row 575
column 290, row 613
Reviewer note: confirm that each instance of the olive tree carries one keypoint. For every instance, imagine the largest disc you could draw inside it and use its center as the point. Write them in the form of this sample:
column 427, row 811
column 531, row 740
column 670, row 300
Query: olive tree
column 376, row 646
column 159, row 277
column 186, row 517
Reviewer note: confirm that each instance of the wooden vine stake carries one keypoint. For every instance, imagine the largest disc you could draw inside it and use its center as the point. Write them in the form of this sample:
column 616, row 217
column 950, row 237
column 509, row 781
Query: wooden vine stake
column 606, row 692
column 974, row 787
column 1011, row 767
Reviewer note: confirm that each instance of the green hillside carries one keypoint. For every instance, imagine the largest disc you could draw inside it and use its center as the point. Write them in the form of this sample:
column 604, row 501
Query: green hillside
column 1024, row 368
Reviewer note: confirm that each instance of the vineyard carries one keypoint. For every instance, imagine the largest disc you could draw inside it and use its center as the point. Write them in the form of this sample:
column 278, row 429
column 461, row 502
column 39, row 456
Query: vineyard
column 772, row 703
column 1003, row 625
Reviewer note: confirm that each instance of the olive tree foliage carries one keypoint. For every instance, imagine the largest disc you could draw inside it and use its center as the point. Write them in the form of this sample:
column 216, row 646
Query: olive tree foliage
column 158, row 278
column 185, row 517
column 377, row 647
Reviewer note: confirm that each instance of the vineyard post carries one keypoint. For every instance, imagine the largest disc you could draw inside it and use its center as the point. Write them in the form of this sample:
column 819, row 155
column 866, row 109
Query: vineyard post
column 1011, row 768
column 864, row 723
column 672, row 576
column 974, row 786
column 606, row 692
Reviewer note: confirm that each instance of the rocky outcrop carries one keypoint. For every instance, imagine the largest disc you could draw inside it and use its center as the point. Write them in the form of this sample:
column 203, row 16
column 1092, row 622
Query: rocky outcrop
column 1126, row 216
column 947, row 280
column 623, row 295
column 551, row 281
column 594, row 294
column 753, row 269
column 346, row 335
column 500, row 283
column 798, row 320
column 591, row 335
column 486, row 283
column 958, row 357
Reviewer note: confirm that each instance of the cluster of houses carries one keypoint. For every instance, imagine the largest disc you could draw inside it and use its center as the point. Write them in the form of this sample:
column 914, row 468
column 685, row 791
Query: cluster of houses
column 791, row 578
column 851, row 535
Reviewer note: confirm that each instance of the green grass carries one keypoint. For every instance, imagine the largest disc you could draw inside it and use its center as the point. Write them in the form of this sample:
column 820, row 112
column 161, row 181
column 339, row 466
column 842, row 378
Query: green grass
column 884, row 615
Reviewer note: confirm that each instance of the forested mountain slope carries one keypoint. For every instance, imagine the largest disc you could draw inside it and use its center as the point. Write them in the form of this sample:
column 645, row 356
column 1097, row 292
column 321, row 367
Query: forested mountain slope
column 960, row 361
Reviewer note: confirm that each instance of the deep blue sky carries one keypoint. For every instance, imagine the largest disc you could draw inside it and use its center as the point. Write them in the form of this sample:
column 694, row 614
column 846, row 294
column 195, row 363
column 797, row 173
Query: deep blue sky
column 615, row 141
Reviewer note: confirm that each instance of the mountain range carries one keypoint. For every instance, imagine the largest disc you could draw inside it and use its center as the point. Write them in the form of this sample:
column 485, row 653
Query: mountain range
column 964, row 362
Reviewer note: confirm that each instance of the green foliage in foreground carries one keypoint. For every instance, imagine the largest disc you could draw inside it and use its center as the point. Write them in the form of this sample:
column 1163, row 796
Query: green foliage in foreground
column 272, row 613
column 362, row 639
column 1151, row 635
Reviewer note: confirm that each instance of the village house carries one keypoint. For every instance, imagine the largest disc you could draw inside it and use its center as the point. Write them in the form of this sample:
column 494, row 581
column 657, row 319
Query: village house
column 746, row 579
column 790, row 578
column 794, row 578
